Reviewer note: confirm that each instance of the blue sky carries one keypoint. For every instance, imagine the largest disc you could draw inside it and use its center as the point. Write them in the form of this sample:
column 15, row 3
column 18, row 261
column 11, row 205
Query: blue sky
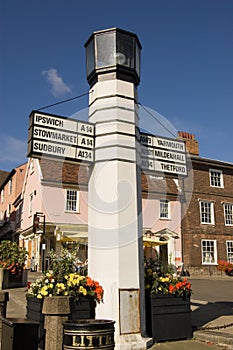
column 186, row 64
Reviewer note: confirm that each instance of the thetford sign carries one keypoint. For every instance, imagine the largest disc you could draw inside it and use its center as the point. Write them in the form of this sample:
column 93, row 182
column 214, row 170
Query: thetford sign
column 60, row 137
column 163, row 154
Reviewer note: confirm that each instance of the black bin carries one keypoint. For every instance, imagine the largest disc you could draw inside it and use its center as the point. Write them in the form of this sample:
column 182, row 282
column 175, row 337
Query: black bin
column 18, row 334
column 88, row 334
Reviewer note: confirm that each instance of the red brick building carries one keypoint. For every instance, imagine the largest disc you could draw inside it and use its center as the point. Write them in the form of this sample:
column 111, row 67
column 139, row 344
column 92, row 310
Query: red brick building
column 207, row 224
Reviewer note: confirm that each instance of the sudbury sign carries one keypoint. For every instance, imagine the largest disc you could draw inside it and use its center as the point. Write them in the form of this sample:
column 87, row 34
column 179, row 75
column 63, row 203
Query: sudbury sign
column 161, row 154
column 60, row 137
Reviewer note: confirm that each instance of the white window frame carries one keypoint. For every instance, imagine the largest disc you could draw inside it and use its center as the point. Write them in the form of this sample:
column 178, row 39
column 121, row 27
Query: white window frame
column 209, row 256
column 228, row 213
column 68, row 207
column 30, row 204
column 211, row 203
column 8, row 212
column 2, row 195
column 216, row 172
column 166, row 204
column 10, row 187
column 229, row 247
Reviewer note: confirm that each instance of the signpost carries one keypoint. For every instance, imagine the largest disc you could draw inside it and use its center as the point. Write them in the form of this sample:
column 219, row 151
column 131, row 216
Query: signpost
column 161, row 154
column 60, row 137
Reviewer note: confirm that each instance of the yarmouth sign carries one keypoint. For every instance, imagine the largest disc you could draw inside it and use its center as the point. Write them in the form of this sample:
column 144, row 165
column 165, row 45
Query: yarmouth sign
column 60, row 137
column 159, row 154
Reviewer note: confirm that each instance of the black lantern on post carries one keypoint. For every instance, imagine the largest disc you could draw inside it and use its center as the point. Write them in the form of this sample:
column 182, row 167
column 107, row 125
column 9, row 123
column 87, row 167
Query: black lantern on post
column 113, row 54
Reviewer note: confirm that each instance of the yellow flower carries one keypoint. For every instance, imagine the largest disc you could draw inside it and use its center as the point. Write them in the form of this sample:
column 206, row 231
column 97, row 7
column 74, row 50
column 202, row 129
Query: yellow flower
column 39, row 296
column 48, row 274
column 82, row 290
column 51, row 285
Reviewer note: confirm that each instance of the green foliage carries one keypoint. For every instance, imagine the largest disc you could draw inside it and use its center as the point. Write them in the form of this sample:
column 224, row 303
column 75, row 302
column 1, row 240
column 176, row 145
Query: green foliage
column 62, row 264
column 12, row 255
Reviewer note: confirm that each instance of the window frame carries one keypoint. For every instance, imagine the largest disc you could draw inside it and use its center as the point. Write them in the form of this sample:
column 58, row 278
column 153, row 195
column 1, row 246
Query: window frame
column 225, row 214
column 214, row 252
column 67, row 210
column 10, row 187
column 30, row 204
column 167, row 202
column 212, row 218
column 2, row 195
column 229, row 259
column 211, row 171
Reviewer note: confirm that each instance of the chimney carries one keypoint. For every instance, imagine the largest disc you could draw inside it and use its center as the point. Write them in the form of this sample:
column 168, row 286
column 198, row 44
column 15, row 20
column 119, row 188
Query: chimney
column 191, row 144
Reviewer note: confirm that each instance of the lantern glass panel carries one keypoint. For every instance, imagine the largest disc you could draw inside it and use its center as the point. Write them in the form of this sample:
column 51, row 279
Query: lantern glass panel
column 90, row 57
column 105, row 48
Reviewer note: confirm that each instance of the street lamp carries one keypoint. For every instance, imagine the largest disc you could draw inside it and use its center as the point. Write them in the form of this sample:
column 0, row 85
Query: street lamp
column 113, row 54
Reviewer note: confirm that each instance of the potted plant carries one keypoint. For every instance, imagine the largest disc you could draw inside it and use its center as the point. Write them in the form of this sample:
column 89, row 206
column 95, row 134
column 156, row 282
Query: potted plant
column 62, row 280
column 168, row 310
column 12, row 261
column 226, row 267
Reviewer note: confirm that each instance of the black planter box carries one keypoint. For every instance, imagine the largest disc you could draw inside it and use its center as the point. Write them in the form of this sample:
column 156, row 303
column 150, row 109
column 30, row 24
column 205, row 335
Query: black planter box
column 170, row 318
column 17, row 280
column 83, row 309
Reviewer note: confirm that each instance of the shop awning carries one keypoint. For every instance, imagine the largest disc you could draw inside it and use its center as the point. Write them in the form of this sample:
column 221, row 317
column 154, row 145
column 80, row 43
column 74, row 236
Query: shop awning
column 152, row 242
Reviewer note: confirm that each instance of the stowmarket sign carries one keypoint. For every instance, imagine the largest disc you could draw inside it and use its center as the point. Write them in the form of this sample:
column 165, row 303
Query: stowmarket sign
column 60, row 137
column 72, row 140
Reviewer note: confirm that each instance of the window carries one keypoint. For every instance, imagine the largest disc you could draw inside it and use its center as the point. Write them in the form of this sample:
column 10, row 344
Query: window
column 8, row 213
column 216, row 178
column 2, row 195
column 10, row 186
column 229, row 251
column 228, row 213
column 209, row 252
column 72, row 200
column 30, row 203
column 207, row 212
column 164, row 209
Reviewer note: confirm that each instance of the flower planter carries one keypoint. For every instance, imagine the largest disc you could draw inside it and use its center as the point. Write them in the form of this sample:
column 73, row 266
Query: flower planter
column 17, row 280
column 170, row 318
column 83, row 309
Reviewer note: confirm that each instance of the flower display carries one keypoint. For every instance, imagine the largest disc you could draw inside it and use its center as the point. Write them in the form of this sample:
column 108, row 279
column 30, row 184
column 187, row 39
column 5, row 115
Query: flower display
column 73, row 284
column 12, row 257
column 165, row 283
column 226, row 267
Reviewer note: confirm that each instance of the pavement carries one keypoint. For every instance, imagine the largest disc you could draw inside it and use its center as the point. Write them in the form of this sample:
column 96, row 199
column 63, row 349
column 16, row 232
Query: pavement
column 212, row 322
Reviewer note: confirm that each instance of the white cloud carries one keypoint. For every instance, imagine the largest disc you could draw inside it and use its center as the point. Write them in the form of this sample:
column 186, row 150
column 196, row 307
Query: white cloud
column 58, row 86
column 12, row 152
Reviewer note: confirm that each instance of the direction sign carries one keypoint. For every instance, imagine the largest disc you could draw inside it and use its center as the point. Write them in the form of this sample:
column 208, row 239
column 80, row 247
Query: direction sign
column 60, row 137
column 161, row 154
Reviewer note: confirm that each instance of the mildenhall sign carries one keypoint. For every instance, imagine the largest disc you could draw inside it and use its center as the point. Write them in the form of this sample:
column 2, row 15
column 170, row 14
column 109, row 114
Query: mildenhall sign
column 161, row 154
column 60, row 137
